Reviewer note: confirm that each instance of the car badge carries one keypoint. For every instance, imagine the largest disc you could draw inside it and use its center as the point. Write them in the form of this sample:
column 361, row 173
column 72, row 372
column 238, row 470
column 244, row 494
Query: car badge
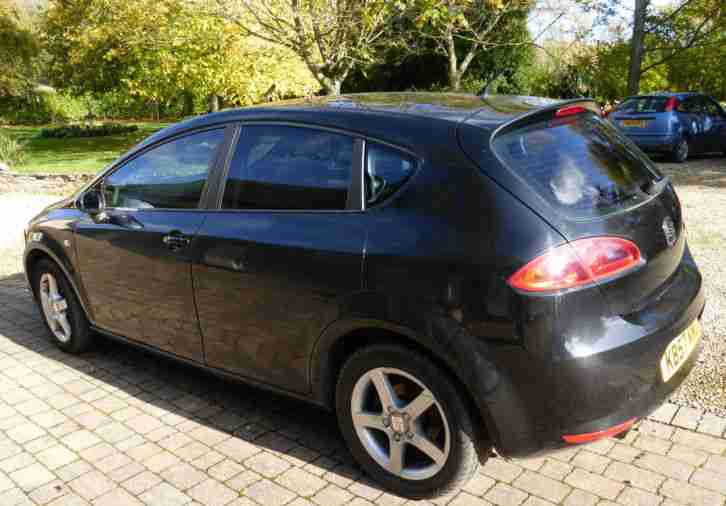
column 669, row 231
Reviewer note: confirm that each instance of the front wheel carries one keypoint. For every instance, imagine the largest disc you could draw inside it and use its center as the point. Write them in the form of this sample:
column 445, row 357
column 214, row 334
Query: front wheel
column 62, row 313
column 680, row 151
column 405, row 422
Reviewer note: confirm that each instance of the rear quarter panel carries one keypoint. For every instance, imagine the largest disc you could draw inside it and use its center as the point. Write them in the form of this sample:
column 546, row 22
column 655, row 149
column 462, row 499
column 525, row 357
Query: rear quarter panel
column 437, row 258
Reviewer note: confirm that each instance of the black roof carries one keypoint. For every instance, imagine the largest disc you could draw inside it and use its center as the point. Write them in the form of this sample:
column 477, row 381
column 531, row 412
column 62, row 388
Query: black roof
column 667, row 94
column 372, row 112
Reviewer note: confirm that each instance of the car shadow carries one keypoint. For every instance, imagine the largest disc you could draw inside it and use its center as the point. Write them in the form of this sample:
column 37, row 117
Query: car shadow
column 180, row 395
column 700, row 170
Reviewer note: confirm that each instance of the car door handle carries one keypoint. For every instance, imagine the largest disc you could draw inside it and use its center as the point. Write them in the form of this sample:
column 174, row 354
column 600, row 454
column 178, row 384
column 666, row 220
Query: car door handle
column 176, row 241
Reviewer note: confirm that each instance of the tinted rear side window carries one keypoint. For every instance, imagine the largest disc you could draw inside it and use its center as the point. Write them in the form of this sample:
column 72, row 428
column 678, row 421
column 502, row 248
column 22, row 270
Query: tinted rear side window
column 643, row 104
column 294, row 168
column 580, row 165
column 386, row 170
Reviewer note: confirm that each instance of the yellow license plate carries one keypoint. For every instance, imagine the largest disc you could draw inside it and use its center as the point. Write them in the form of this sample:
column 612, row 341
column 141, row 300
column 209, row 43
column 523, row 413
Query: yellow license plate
column 640, row 123
column 679, row 350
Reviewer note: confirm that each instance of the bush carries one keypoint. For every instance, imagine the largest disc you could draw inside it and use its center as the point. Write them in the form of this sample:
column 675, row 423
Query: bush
column 104, row 130
column 40, row 108
column 11, row 151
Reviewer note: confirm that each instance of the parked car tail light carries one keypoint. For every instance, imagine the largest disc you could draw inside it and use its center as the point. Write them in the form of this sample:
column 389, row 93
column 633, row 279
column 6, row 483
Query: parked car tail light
column 578, row 263
column 671, row 104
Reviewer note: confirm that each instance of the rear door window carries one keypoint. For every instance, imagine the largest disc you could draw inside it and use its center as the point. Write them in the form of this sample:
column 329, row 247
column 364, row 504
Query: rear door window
column 290, row 168
column 581, row 165
column 691, row 105
column 710, row 107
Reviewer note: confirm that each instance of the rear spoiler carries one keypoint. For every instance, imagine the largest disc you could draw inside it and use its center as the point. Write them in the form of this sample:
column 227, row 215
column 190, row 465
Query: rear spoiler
column 554, row 111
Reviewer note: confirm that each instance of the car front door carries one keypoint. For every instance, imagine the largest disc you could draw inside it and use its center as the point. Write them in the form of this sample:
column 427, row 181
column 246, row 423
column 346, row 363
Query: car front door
column 277, row 262
column 134, row 256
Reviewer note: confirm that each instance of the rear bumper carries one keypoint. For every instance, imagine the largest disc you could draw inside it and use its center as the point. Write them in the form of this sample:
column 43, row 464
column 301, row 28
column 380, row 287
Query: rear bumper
column 538, row 399
column 654, row 143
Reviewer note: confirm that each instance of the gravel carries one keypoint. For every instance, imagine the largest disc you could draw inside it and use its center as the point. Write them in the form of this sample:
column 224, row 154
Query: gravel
column 16, row 209
column 701, row 186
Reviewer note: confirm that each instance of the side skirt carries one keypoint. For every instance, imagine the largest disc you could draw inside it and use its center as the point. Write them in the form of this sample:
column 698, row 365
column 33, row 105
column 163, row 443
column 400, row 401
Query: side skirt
column 234, row 378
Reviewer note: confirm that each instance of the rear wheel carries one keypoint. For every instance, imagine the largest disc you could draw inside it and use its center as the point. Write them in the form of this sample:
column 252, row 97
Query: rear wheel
column 405, row 422
column 62, row 313
column 680, row 151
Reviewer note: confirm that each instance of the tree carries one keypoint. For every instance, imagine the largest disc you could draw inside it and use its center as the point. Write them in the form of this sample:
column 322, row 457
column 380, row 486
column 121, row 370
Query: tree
column 398, row 66
column 637, row 46
column 163, row 51
column 700, row 69
column 329, row 36
column 659, row 35
column 463, row 29
column 18, row 57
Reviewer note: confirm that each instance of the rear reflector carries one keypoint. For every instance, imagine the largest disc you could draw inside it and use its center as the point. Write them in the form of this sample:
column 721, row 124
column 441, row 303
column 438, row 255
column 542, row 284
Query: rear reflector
column 577, row 263
column 594, row 436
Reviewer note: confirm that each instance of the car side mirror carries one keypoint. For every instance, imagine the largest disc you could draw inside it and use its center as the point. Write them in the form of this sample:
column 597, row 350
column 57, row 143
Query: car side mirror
column 91, row 201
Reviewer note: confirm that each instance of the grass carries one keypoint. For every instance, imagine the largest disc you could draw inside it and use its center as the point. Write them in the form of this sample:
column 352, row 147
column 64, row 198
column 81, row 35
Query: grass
column 73, row 156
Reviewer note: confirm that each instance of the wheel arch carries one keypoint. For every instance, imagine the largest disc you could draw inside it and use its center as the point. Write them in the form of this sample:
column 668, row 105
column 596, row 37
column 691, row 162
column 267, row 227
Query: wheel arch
column 39, row 252
column 342, row 339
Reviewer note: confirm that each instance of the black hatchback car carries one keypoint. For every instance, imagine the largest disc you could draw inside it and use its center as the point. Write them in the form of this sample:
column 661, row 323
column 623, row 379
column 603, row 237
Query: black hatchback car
column 448, row 273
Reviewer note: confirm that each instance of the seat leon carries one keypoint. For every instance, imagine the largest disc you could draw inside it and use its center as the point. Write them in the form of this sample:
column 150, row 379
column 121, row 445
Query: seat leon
column 446, row 273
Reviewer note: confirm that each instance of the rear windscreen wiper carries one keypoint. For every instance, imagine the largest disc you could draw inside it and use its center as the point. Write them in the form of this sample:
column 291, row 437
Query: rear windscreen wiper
column 655, row 186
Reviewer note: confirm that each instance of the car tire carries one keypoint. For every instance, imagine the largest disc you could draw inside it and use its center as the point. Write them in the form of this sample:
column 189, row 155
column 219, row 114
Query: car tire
column 680, row 151
column 59, row 308
column 436, row 443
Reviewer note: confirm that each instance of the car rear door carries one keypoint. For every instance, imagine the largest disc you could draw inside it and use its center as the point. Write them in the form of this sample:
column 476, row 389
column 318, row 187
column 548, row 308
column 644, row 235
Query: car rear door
column 277, row 261
column 714, row 126
column 134, row 257
column 692, row 118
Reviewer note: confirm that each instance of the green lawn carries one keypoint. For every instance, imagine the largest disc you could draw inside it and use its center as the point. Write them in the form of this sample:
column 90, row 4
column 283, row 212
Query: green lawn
column 78, row 156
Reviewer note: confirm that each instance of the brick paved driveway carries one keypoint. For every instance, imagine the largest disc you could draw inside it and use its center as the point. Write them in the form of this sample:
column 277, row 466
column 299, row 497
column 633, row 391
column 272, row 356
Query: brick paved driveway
column 119, row 427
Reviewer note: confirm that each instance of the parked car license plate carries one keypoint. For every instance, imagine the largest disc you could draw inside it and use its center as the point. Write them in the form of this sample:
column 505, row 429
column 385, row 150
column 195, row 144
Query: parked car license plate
column 679, row 350
column 639, row 123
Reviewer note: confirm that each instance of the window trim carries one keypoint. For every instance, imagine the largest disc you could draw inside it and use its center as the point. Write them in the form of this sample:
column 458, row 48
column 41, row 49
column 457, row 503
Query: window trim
column 354, row 201
column 206, row 191
column 357, row 187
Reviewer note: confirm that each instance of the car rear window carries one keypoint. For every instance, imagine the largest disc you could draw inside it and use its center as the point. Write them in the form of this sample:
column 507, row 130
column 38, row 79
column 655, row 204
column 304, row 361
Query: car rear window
column 643, row 104
column 581, row 165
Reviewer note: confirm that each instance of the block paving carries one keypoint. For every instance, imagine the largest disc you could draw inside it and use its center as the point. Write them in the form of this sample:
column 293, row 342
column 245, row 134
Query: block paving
column 118, row 426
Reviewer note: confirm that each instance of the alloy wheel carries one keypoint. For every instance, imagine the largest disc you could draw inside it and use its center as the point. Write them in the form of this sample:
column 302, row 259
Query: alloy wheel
column 55, row 308
column 400, row 423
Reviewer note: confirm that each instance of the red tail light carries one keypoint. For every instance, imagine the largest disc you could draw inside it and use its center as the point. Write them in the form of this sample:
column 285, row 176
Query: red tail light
column 578, row 263
column 671, row 104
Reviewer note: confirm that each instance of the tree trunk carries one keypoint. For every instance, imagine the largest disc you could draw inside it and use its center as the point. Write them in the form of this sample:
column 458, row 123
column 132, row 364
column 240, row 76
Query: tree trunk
column 213, row 102
column 188, row 105
column 333, row 87
column 637, row 46
column 454, row 72
column 455, row 81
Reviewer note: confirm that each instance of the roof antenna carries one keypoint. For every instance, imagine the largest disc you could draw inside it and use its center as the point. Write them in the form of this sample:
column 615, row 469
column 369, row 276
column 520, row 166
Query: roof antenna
column 486, row 90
